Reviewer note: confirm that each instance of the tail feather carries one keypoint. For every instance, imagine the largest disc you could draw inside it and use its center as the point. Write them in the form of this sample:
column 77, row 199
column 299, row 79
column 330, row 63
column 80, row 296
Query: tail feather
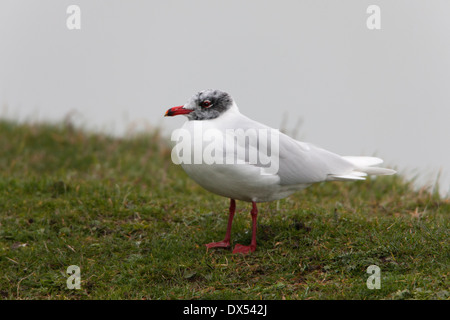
column 363, row 167
column 363, row 161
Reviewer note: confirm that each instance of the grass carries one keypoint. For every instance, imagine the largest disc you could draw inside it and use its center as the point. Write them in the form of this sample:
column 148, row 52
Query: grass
column 135, row 224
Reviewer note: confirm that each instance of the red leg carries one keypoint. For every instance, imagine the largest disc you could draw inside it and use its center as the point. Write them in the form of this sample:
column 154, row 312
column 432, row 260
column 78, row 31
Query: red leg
column 239, row 248
column 225, row 243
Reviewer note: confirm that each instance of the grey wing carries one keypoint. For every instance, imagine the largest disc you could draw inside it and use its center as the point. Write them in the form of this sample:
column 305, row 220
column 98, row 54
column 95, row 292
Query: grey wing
column 304, row 163
column 293, row 161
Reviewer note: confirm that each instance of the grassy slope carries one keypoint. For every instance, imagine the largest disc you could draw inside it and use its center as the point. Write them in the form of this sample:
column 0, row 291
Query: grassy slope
column 135, row 224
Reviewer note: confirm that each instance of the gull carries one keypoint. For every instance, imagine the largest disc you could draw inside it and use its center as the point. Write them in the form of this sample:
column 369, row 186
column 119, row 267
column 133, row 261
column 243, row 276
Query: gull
column 247, row 165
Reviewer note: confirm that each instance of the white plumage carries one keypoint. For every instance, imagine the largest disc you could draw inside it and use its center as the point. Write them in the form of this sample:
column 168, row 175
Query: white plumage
column 300, row 164
column 236, row 175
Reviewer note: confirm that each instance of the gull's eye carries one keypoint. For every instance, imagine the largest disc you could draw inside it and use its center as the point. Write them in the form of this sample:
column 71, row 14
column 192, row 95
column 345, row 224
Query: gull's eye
column 206, row 104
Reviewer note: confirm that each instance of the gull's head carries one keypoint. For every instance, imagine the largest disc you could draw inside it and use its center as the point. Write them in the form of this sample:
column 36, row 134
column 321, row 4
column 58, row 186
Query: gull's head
column 204, row 105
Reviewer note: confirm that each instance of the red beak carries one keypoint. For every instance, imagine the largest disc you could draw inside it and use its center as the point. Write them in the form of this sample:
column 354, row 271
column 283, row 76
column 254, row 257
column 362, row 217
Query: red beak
column 176, row 111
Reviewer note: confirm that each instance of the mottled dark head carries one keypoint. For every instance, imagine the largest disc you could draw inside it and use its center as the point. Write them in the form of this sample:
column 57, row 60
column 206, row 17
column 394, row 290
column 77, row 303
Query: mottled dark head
column 204, row 105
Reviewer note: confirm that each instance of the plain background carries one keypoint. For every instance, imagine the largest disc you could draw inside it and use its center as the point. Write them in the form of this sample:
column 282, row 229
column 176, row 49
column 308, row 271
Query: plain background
column 312, row 68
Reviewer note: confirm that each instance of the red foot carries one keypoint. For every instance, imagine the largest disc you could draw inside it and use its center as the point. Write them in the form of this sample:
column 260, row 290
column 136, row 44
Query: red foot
column 220, row 244
column 239, row 248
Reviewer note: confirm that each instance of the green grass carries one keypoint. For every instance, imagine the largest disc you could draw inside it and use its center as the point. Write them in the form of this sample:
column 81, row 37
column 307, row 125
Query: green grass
column 135, row 224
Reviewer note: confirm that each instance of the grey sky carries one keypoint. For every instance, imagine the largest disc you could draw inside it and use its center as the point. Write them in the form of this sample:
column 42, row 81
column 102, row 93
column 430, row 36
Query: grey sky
column 357, row 91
